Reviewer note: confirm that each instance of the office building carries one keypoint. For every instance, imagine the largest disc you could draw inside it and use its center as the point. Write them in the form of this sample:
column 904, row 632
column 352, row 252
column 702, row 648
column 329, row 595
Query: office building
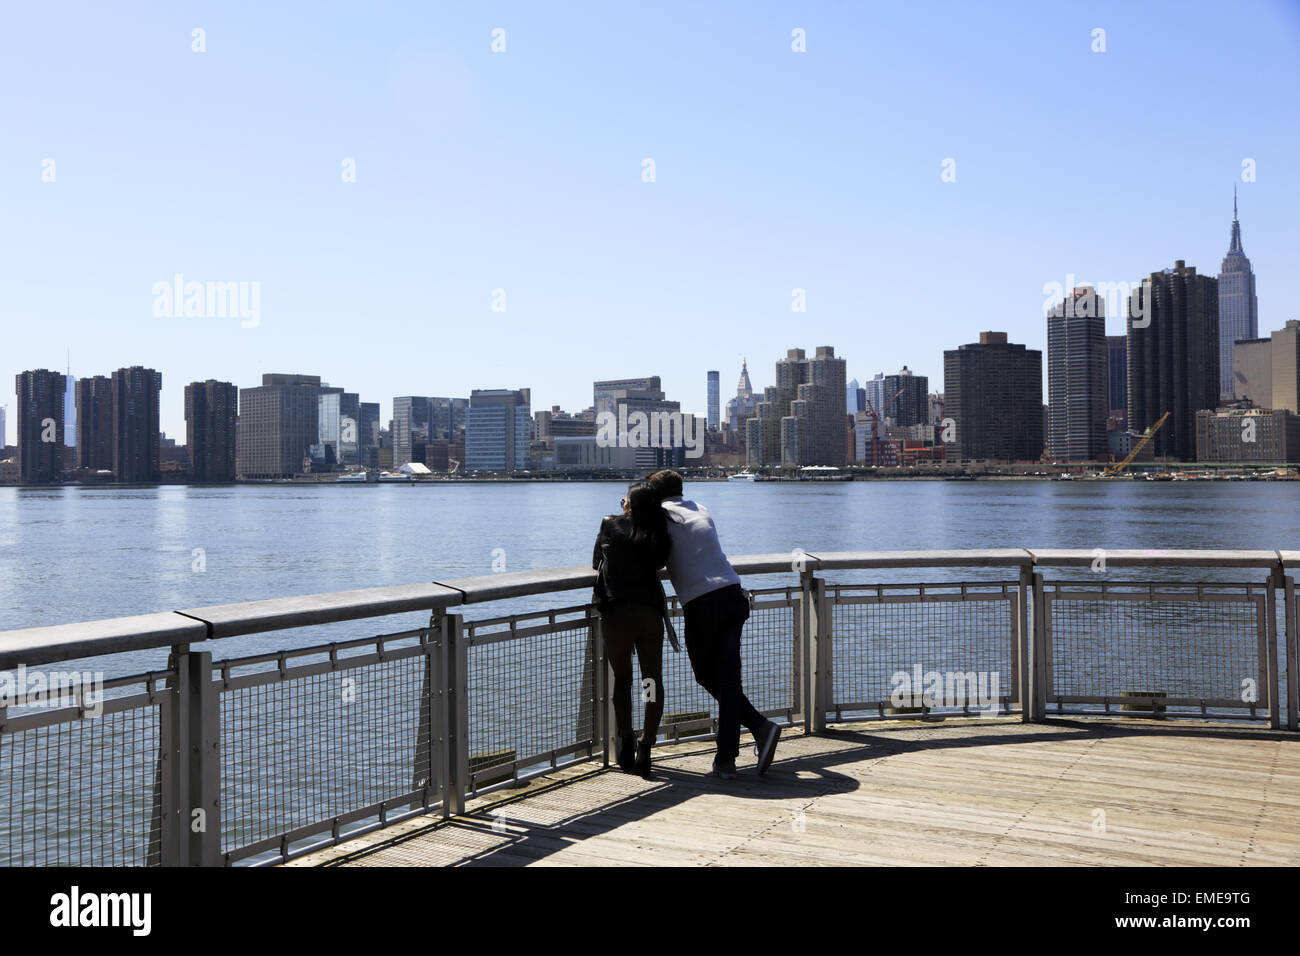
column 211, row 412
column 1077, row 400
column 1173, row 357
column 1248, row 435
column 1117, row 382
column 278, row 424
column 1252, row 371
column 906, row 398
column 993, row 394
column 743, row 406
column 715, row 402
column 498, row 425
column 1285, row 372
column 39, row 411
column 95, row 423
column 410, row 422
column 624, row 398
column 1238, row 305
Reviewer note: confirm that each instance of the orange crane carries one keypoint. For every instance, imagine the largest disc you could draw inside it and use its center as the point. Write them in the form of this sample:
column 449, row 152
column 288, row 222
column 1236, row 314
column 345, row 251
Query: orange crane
column 1114, row 470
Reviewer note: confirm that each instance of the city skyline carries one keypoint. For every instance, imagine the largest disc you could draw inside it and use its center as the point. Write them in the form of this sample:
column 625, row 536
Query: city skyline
column 795, row 192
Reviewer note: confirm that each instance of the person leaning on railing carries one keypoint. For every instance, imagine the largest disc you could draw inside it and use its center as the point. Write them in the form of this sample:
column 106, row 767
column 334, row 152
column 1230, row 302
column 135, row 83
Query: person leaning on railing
column 630, row 550
column 714, row 608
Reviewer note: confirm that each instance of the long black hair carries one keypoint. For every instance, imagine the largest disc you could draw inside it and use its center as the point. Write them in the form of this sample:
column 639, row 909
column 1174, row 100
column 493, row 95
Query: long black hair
column 649, row 525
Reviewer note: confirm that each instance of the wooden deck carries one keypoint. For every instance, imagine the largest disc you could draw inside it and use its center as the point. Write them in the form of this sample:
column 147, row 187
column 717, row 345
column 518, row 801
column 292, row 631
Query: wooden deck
column 976, row 792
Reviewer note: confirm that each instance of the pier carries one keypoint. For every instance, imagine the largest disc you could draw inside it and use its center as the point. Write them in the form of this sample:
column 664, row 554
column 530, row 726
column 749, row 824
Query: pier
column 964, row 707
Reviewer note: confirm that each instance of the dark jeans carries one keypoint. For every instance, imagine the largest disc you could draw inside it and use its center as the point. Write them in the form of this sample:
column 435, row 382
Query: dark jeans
column 639, row 626
column 714, row 622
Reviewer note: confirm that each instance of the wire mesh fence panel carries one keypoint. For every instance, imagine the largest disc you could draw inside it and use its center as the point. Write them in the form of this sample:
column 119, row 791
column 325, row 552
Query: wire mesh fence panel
column 82, row 791
column 530, row 692
column 906, row 650
column 767, row 653
column 303, row 746
column 1174, row 649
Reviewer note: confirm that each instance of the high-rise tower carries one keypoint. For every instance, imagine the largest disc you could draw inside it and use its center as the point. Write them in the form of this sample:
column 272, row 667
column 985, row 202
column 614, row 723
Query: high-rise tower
column 1238, row 306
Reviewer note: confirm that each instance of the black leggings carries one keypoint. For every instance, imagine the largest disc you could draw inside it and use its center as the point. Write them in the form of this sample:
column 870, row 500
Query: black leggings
column 639, row 626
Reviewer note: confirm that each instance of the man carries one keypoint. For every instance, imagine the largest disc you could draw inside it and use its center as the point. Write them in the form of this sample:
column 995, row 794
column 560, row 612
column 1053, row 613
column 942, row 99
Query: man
column 715, row 609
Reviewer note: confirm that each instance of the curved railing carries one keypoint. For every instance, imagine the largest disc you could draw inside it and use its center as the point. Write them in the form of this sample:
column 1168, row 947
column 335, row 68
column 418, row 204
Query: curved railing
column 258, row 758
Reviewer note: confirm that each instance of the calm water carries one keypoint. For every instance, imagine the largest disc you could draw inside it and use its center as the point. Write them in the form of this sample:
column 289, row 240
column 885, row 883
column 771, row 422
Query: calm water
column 73, row 554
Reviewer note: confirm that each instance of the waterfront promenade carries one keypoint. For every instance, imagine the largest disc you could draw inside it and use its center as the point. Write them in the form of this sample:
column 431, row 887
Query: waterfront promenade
column 1144, row 713
column 965, row 793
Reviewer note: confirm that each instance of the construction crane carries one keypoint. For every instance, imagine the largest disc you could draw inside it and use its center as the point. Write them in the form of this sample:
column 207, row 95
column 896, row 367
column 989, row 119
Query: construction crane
column 875, row 425
column 1114, row 470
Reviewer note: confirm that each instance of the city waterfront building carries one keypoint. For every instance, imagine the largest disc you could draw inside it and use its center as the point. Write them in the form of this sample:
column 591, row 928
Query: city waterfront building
column 1238, row 304
column 410, row 421
column 993, row 394
column 1173, row 357
column 1076, row 377
column 906, row 398
column 1247, row 434
column 801, row 419
column 1117, row 382
column 278, row 424
column 137, row 394
column 743, row 406
column 1252, row 371
column 39, row 411
column 623, row 398
column 211, row 413
column 498, row 427
column 1285, row 373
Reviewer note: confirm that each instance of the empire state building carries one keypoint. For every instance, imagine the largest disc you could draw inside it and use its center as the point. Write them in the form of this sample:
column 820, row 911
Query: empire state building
column 1238, row 307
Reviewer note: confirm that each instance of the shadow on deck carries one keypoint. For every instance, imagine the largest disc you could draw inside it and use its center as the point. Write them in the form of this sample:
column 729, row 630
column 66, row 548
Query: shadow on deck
column 972, row 792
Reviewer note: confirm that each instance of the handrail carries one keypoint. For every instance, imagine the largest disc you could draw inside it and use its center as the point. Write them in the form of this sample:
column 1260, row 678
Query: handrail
column 51, row 643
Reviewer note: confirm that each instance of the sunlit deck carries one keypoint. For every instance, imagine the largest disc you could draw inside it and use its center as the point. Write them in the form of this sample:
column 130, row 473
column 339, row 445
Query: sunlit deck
column 972, row 792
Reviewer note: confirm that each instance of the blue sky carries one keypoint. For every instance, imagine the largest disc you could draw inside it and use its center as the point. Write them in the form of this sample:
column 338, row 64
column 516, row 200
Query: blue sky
column 522, row 171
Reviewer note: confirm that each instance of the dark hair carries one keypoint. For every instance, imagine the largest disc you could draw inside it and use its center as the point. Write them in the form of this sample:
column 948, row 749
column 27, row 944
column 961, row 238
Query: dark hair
column 649, row 525
column 666, row 484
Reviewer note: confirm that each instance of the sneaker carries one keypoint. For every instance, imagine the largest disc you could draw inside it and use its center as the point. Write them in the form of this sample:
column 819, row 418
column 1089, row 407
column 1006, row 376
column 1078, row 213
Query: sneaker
column 726, row 769
column 765, row 745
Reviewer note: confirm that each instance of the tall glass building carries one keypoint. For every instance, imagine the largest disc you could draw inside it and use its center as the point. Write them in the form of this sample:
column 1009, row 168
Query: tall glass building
column 1238, row 306
column 498, row 425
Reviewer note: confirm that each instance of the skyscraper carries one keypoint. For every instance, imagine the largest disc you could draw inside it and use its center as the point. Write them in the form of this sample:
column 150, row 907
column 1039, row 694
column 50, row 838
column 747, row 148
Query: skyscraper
column 410, row 422
column 715, row 402
column 1076, row 377
column 993, row 392
column 1117, row 380
column 1238, row 306
column 636, row 395
column 498, row 424
column 95, row 422
column 40, row 425
column 1285, row 349
column 70, row 408
column 906, row 398
column 1173, row 357
column 211, row 410
column 741, row 408
column 278, row 424
column 802, row 419
column 136, row 399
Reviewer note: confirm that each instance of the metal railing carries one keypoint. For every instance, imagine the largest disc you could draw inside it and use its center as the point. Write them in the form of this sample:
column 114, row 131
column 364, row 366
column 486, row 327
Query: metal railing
column 263, row 757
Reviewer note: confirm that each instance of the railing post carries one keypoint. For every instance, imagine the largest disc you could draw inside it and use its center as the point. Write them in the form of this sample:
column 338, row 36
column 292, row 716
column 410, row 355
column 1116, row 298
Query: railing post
column 820, row 685
column 1270, row 605
column 603, row 725
column 1038, row 658
column 1022, row 640
column 171, row 782
column 203, row 816
column 1292, row 645
column 451, row 708
column 426, row 775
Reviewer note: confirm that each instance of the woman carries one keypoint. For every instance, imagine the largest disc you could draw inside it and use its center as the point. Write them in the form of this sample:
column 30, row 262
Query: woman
column 630, row 550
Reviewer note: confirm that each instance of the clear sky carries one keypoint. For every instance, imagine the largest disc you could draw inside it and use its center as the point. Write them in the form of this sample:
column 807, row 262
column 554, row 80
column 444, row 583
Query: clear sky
column 522, row 171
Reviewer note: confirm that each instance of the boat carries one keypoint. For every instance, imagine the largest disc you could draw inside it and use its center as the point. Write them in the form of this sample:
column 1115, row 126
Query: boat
column 354, row 478
column 743, row 476
column 388, row 476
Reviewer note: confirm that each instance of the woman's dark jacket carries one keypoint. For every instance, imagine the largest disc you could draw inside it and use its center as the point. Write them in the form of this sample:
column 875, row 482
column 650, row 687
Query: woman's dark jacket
column 631, row 571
